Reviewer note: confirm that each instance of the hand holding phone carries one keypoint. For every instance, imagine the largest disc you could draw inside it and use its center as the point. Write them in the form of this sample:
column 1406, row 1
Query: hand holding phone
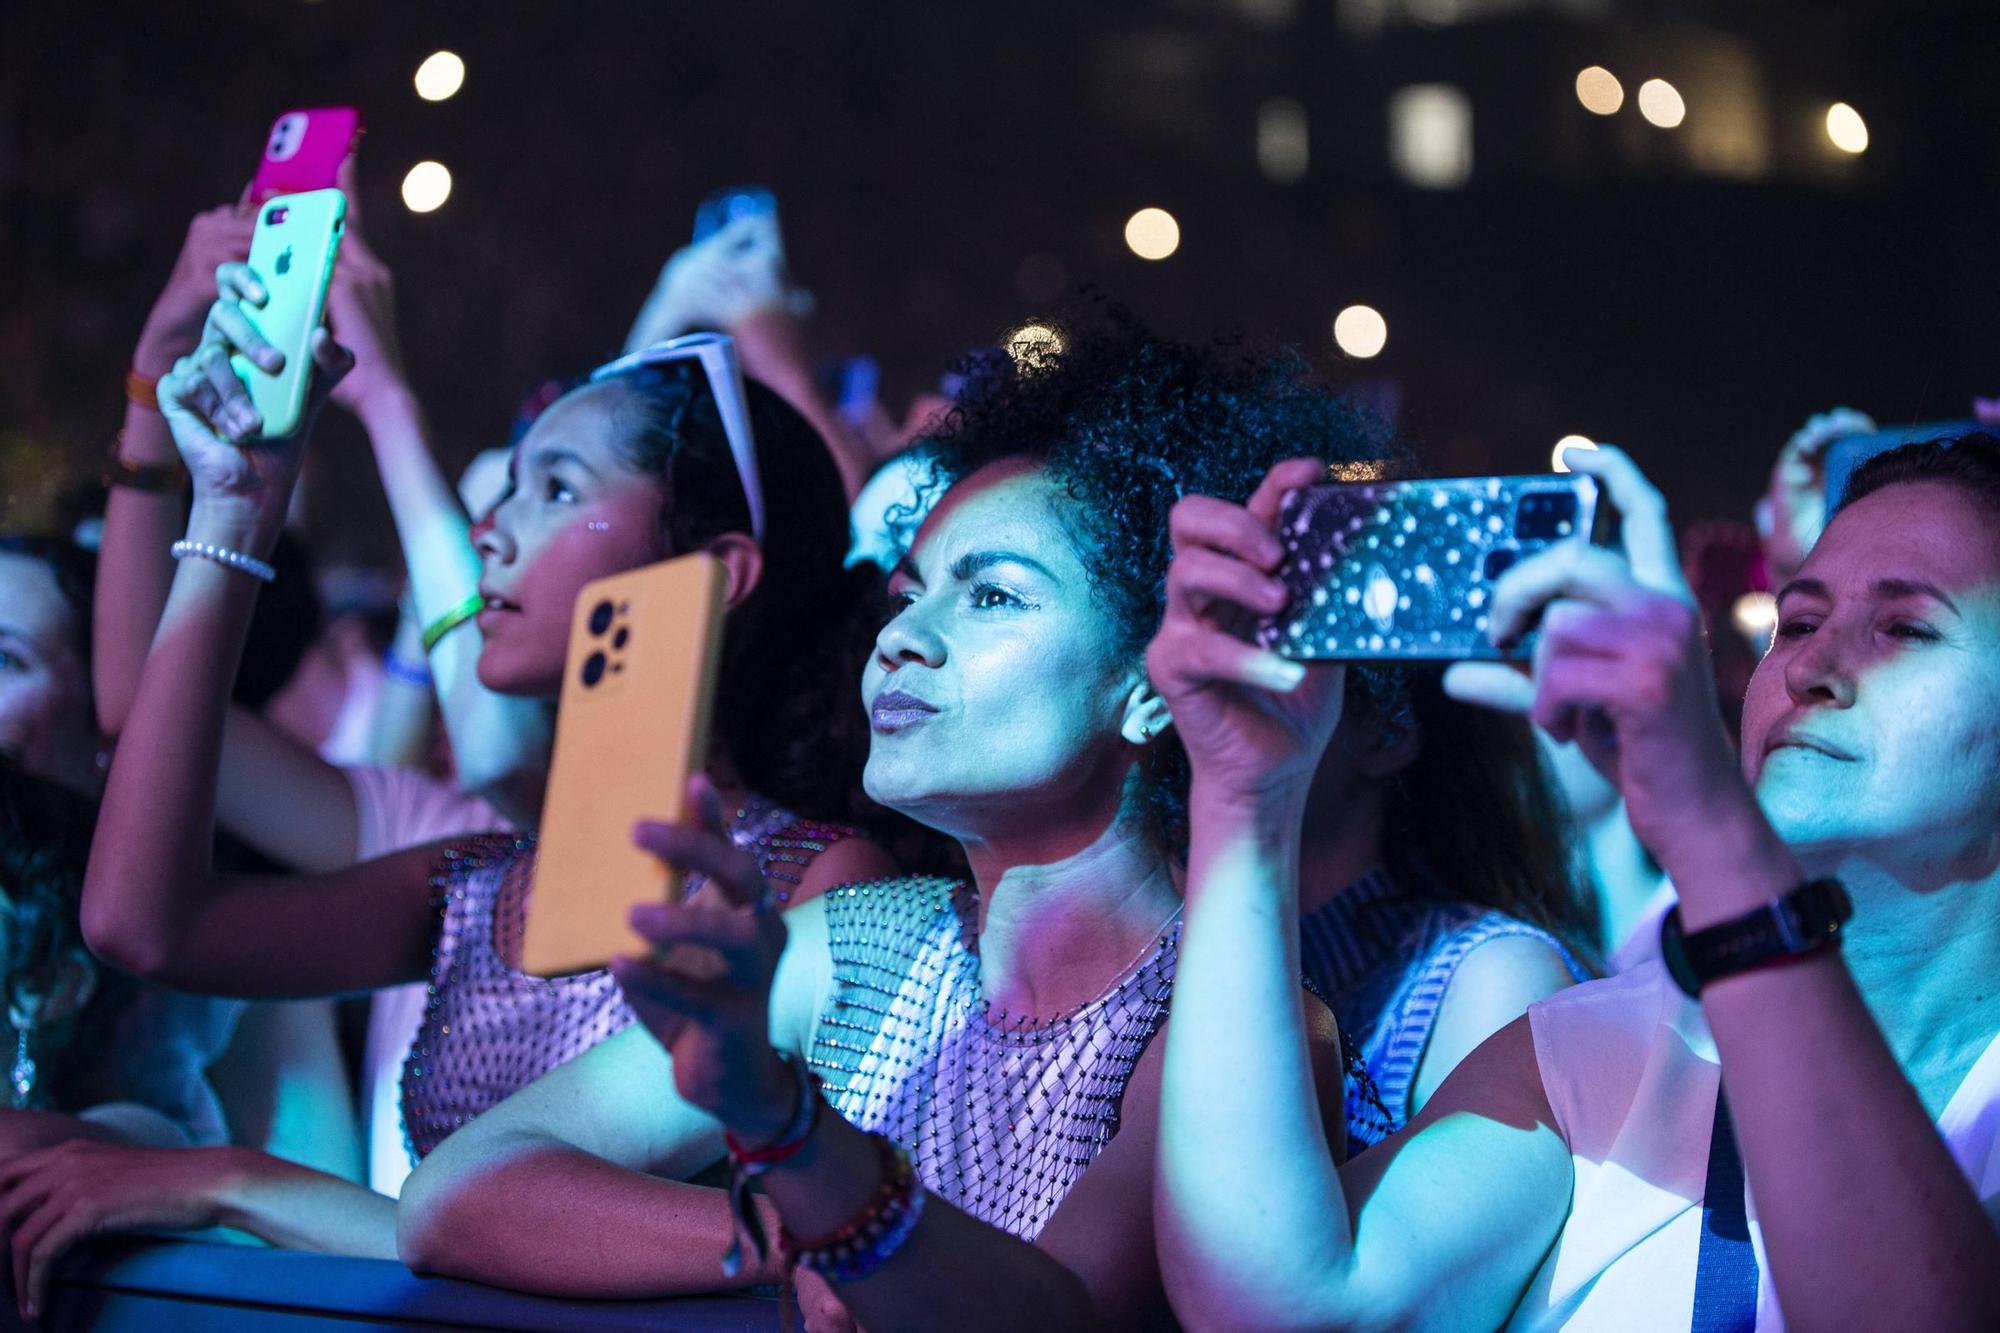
column 632, row 727
column 1403, row 570
column 292, row 252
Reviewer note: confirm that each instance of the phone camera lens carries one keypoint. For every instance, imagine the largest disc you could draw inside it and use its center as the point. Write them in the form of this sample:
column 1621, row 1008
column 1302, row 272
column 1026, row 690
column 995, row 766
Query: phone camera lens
column 1500, row 560
column 593, row 668
column 600, row 618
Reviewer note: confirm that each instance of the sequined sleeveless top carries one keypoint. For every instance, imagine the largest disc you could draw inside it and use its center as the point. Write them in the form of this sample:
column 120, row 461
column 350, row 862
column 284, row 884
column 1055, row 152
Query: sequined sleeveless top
column 1000, row 1117
column 490, row 1030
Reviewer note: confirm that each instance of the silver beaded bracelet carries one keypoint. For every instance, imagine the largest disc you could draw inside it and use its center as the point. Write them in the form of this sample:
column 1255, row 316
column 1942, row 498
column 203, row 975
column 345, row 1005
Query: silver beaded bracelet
column 222, row 555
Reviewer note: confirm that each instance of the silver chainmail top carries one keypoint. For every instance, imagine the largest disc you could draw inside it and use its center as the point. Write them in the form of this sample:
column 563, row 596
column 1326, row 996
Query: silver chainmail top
column 489, row 1029
column 1000, row 1116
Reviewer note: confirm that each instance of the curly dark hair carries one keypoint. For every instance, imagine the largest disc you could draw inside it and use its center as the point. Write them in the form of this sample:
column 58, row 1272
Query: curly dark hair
column 788, row 708
column 45, row 832
column 1126, row 423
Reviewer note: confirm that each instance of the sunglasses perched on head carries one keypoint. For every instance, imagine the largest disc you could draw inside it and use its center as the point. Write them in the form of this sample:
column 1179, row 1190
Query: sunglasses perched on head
column 717, row 354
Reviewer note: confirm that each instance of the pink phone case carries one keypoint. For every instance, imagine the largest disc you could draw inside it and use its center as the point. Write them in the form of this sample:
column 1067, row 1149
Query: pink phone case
column 305, row 150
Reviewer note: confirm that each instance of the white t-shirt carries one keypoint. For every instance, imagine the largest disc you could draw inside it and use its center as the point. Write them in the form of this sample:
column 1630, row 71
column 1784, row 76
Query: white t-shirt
column 1631, row 1074
column 397, row 808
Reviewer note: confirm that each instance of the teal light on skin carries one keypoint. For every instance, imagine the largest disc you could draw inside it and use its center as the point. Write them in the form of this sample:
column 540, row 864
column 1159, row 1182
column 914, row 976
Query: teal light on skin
column 1874, row 721
column 998, row 629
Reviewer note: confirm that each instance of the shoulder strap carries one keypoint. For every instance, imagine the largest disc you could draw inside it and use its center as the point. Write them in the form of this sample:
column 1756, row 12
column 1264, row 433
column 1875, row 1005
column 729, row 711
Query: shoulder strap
column 1725, row 1276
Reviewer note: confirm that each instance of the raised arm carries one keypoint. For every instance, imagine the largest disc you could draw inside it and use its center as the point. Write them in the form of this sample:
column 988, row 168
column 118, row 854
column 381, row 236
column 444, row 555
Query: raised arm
column 1837, row 1146
column 1257, row 1228
column 736, row 281
column 152, row 902
column 500, row 744
column 275, row 794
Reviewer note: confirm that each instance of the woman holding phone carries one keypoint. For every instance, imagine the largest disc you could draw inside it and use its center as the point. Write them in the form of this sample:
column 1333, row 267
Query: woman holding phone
column 1587, row 1166
column 958, row 1078
column 624, row 471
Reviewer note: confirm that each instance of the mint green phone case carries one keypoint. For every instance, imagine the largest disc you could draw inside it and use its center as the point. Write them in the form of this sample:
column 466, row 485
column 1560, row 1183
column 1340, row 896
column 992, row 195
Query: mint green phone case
column 292, row 253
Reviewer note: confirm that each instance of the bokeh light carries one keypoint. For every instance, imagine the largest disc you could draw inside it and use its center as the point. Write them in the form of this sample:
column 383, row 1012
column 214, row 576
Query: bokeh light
column 1755, row 616
column 1033, row 344
column 441, row 75
column 1846, row 128
column 426, row 187
column 1556, row 463
column 1361, row 331
column 1660, row 103
column 1599, row 91
column 1152, row 233
column 1284, row 144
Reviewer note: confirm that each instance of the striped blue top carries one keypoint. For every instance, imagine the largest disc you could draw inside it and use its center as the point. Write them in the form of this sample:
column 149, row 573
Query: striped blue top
column 1382, row 959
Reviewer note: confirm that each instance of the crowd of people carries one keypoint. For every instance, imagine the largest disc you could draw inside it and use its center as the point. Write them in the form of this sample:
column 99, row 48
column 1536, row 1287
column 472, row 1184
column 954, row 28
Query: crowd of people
column 1076, row 962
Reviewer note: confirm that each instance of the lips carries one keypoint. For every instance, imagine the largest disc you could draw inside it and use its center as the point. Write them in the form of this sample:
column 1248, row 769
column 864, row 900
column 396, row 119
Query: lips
column 894, row 710
column 495, row 606
column 1800, row 740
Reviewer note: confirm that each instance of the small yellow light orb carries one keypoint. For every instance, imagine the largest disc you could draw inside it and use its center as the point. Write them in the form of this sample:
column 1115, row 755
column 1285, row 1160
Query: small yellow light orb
column 1599, row 91
column 1846, row 128
column 441, row 75
column 1556, row 462
column 1361, row 331
column 426, row 187
column 1661, row 104
column 1152, row 233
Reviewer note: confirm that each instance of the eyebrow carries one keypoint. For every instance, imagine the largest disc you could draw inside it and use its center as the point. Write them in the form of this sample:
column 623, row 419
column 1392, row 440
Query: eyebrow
column 1885, row 589
column 556, row 453
column 972, row 562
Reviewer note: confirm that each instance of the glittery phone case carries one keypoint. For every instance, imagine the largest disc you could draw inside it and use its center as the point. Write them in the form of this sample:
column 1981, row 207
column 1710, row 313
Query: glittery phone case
column 1403, row 570
column 633, row 726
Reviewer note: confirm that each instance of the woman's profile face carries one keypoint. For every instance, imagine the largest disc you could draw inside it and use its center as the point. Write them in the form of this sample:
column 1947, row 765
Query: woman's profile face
column 46, row 723
column 997, row 690
column 575, row 510
column 1875, row 718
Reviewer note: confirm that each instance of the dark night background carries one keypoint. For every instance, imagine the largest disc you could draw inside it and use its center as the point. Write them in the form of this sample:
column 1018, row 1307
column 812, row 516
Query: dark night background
column 1692, row 294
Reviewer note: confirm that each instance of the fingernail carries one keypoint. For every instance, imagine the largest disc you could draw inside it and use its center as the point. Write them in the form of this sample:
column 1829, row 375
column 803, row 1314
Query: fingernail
column 1281, row 675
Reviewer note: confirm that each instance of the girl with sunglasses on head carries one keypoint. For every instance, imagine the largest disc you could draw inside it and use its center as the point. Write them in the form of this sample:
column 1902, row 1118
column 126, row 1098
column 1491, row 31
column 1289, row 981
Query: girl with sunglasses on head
column 638, row 465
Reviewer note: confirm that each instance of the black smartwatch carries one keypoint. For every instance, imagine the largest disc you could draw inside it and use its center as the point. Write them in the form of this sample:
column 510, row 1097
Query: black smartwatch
column 1804, row 921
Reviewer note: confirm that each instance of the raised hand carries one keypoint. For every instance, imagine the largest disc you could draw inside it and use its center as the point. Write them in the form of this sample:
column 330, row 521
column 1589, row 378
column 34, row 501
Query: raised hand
column 718, row 282
column 209, row 409
column 1250, row 720
column 361, row 311
column 705, row 990
column 1620, row 666
column 1792, row 513
column 173, row 328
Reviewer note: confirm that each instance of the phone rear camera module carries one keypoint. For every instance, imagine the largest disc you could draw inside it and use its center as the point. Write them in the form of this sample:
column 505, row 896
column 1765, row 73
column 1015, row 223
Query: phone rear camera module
column 276, row 216
column 593, row 669
column 1544, row 516
column 600, row 618
column 1499, row 561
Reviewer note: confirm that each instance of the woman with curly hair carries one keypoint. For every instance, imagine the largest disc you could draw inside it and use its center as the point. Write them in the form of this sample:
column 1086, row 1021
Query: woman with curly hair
column 946, row 1089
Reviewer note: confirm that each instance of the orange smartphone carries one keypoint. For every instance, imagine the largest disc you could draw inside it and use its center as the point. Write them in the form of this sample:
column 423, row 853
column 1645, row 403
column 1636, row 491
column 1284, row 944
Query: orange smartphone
column 632, row 728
